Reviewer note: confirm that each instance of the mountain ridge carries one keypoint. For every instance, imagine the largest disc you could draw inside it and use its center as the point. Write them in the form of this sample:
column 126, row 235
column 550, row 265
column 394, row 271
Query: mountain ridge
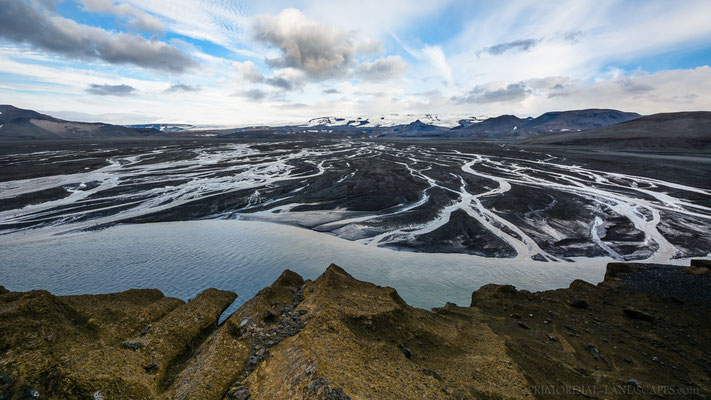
column 685, row 129
column 588, row 127
column 18, row 123
column 550, row 122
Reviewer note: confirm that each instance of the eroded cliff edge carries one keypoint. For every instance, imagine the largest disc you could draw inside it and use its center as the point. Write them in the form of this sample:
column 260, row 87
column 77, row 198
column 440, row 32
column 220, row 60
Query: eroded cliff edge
column 644, row 331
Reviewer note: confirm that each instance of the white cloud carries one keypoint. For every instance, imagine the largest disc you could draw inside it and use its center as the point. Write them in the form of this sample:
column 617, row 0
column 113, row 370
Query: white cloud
column 287, row 79
column 320, row 50
column 523, row 57
column 28, row 22
column 312, row 51
column 181, row 88
column 436, row 57
column 138, row 19
column 372, row 18
column 369, row 46
column 577, row 39
column 111, row 90
column 663, row 91
column 222, row 22
column 249, row 71
column 253, row 94
column 548, row 83
column 382, row 69
column 512, row 93
column 283, row 78
column 515, row 46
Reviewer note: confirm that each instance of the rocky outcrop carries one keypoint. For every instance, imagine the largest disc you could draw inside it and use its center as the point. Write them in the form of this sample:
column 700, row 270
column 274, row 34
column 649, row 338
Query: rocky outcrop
column 121, row 345
column 340, row 338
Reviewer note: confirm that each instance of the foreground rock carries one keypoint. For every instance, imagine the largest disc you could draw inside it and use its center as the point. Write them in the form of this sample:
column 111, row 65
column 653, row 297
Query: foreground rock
column 340, row 338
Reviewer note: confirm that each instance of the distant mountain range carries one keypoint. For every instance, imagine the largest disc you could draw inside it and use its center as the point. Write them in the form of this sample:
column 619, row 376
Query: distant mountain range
column 689, row 130
column 165, row 127
column 599, row 127
column 510, row 126
column 16, row 123
column 392, row 120
column 504, row 126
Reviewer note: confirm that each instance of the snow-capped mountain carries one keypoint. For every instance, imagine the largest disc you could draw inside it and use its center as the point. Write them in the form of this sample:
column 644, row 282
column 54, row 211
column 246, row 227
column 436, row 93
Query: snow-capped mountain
column 390, row 120
column 166, row 127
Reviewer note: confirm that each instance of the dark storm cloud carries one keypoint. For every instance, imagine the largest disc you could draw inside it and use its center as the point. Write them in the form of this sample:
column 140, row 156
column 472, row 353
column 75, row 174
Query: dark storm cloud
column 111, row 90
column 512, row 93
column 30, row 22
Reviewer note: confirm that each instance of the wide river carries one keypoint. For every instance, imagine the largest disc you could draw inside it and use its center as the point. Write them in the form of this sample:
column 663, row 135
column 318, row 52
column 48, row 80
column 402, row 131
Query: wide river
column 247, row 207
column 183, row 258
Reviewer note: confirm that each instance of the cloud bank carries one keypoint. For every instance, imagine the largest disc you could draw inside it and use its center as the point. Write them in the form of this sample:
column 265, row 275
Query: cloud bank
column 317, row 51
column 29, row 22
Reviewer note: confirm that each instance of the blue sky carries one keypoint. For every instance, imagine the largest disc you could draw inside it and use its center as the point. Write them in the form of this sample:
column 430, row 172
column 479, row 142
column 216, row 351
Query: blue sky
column 228, row 62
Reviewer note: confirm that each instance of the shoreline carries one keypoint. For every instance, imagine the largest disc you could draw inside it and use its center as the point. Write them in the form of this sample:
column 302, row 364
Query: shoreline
column 181, row 258
column 339, row 338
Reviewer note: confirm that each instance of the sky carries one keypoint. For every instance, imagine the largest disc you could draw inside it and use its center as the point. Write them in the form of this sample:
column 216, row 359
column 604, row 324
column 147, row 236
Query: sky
column 232, row 62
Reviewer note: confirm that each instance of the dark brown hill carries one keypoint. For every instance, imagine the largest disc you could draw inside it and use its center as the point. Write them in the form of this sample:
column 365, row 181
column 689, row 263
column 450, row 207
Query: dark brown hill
column 679, row 130
column 17, row 123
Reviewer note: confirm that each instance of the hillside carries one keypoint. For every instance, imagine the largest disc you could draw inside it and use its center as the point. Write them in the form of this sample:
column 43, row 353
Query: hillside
column 16, row 123
column 682, row 130
column 643, row 329
column 509, row 126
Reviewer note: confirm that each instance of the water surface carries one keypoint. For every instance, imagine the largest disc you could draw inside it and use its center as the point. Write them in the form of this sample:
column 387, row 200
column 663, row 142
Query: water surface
column 184, row 258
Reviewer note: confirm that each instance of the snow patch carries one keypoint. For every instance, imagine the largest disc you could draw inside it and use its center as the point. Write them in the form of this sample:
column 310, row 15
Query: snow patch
column 390, row 120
